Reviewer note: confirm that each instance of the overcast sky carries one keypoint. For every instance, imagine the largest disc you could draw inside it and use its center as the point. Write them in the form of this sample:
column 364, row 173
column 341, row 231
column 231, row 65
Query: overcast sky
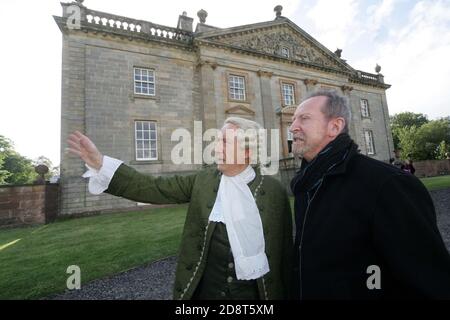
column 409, row 39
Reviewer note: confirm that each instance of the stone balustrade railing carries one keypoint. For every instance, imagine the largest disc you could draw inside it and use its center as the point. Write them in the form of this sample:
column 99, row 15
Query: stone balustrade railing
column 107, row 22
column 114, row 22
column 365, row 76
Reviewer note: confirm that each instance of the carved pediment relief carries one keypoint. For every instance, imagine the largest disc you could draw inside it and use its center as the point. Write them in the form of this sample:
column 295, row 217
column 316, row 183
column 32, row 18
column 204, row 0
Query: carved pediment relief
column 283, row 42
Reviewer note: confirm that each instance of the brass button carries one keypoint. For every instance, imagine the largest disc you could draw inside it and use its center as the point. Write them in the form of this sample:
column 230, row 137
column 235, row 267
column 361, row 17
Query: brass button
column 230, row 279
column 223, row 294
column 231, row 265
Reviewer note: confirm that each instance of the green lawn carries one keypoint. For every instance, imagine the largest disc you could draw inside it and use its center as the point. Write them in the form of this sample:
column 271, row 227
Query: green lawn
column 436, row 183
column 33, row 261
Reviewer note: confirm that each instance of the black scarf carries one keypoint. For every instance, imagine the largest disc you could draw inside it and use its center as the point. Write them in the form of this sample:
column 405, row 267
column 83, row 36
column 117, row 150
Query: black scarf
column 311, row 173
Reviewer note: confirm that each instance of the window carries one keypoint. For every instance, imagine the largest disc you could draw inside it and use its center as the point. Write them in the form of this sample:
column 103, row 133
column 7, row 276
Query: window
column 285, row 52
column 145, row 137
column 236, row 86
column 288, row 94
column 290, row 138
column 365, row 108
column 144, row 81
column 368, row 137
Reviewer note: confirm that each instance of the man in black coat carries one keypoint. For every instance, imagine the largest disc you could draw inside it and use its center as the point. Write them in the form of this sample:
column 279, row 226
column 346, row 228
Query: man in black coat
column 364, row 229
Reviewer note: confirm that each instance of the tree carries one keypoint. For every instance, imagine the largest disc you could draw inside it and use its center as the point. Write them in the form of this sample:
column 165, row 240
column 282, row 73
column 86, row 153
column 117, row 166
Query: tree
column 405, row 119
column 424, row 142
column 20, row 168
column 442, row 150
column 14, row 168
column 5, row 147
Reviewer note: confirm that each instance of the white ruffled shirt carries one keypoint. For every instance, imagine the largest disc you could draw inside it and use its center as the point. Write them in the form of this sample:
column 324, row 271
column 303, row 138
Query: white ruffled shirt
column 99, row 179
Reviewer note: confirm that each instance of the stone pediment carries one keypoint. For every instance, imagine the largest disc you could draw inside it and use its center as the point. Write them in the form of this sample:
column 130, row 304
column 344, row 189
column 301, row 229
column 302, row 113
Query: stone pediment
column 240, row 110
column 278, row 39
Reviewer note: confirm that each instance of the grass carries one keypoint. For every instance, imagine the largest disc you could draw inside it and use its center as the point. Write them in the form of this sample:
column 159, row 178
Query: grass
column 34, row 260
column 436, row 183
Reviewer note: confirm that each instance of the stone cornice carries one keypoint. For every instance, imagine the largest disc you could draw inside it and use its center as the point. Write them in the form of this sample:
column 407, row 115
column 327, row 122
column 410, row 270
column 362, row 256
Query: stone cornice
column 108, row 25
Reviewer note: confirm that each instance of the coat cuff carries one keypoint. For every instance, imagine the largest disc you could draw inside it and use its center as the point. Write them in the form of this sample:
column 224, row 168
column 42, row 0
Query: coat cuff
column 99, row 179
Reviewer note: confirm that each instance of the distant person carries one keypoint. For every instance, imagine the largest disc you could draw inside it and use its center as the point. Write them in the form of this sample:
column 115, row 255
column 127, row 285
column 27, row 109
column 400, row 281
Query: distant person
column 397, row 159
column 409, row 167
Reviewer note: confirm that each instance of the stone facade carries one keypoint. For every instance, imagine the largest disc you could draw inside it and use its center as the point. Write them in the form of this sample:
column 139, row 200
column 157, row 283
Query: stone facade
column 191, row 72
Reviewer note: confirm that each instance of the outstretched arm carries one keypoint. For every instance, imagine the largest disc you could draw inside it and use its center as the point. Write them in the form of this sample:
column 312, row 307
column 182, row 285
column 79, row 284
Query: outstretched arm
column 124, row 181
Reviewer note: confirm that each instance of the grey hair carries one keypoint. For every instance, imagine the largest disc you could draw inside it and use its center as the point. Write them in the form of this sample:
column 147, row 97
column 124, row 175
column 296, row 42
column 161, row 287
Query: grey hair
column 336, row 106
column 242, row 123
column 250, row 132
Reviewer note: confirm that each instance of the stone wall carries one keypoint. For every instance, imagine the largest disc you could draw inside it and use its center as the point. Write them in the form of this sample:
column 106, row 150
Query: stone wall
column 28, row 204
column 431, row 168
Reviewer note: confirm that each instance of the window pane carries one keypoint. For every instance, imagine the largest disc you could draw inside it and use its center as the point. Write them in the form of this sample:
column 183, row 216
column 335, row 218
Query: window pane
column 139, row 154
column 146, row 145
column 138, row 125
column 139, row 144
column 146, row 135
column 153, row 154
column 146, row 154
column 152, row 135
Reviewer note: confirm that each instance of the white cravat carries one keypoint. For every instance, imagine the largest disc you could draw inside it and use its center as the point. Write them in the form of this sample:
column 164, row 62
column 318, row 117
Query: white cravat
column 236, row 207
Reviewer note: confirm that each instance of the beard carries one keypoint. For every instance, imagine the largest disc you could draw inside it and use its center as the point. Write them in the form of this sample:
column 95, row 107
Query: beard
column 301, row 146
column 299, row 150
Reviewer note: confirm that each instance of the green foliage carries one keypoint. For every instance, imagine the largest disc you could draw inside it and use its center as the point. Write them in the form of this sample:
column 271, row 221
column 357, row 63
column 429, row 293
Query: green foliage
column 442, row 150
column 419, row 138
column 20, row 168
column 403, row 120
column 14, row 168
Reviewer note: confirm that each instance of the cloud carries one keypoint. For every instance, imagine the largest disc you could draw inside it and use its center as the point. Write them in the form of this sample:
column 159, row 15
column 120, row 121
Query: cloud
column 335, row 22
column 415, row 60
column 411, row 41
column 378, row 13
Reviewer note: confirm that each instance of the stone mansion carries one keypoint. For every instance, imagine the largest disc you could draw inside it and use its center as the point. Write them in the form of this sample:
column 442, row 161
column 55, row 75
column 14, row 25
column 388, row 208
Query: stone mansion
column 129, row 83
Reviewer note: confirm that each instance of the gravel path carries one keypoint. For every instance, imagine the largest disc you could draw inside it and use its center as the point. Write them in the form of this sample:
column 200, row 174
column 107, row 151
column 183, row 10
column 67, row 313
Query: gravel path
column 154, row 281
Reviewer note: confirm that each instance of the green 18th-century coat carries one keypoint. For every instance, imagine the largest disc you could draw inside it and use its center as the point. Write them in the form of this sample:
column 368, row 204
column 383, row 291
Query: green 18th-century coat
column 200, row 190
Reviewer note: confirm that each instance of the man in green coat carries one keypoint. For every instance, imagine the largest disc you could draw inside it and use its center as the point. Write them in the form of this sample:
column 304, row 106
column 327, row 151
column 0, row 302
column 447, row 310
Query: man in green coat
column 237, row 238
